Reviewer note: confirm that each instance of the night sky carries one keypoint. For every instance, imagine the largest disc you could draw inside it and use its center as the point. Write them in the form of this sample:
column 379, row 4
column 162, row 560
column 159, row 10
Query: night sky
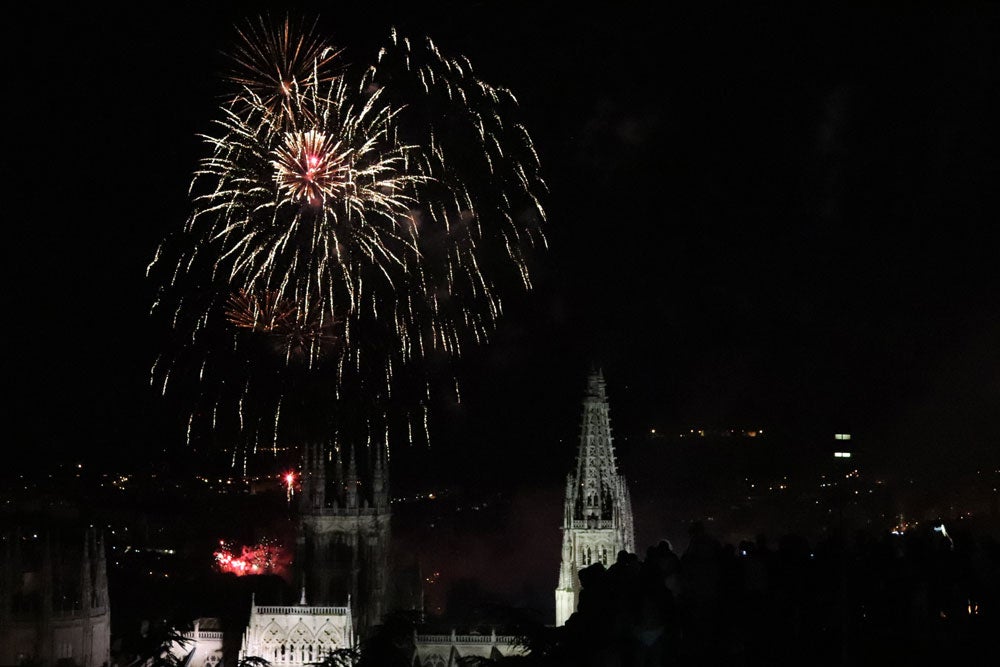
column 757, row 217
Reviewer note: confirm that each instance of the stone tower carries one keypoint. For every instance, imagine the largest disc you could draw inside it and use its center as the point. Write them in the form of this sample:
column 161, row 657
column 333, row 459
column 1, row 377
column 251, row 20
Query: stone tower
column 54, row 599
column 597, row 521
column 343, row 537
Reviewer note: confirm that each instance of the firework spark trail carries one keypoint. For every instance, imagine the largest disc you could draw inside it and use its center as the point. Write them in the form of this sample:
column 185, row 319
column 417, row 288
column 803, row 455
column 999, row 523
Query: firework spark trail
column 269, row 62
column 359, row 222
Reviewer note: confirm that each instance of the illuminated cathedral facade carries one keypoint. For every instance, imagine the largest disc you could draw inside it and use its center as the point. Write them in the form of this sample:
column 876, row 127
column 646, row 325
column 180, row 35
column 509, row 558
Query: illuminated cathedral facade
column 342, row 558
column 296, row 635
column 342, row 549
column 597, row 517
column 344, row 569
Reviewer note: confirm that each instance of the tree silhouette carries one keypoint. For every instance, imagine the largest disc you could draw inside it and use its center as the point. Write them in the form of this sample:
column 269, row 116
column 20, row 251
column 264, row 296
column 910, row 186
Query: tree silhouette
column 156, row 645
column 340, row 657
column 254, row 661
column 391, row 643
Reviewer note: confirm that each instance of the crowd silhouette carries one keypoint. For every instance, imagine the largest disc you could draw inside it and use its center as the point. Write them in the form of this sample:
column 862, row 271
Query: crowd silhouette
column 921, row 597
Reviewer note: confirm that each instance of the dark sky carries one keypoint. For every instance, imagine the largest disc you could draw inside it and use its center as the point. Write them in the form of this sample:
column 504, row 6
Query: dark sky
column 757, row 216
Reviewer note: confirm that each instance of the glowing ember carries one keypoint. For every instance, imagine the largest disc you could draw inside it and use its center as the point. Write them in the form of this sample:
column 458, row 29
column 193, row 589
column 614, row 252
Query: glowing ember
column 262, row 558
column 289, row 478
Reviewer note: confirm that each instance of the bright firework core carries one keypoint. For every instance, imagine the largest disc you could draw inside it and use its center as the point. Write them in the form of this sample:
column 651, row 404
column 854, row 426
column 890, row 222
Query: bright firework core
column 309, row 168
column 262, row 558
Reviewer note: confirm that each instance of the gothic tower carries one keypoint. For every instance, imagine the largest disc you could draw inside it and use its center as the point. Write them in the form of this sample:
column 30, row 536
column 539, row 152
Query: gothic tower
column 54, row 599
column 343, row 539
column 597, row 521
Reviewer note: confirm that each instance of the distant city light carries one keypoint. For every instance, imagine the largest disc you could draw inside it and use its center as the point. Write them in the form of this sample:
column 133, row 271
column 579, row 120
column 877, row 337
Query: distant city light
column 842, row 455
column 841, row 436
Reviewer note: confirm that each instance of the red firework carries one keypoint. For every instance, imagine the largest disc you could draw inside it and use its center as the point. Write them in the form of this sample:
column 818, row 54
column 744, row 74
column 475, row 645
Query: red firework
column 261, row 558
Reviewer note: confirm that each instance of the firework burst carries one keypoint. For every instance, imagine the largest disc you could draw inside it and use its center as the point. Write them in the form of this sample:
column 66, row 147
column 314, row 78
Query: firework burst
column 260, row 313
column 293, row 336
column 270, row 62
column 310, row 168
column 402, row 197
column 267, row 557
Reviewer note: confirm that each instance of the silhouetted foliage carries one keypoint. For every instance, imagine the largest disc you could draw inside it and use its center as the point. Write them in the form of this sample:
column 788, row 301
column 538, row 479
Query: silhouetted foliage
column 341, row 657
column 390, row 644
column 253, row 661
column 156, row 643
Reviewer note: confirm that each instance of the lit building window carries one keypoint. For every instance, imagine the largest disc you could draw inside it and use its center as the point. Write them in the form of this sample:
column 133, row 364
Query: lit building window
column 841, row 436
column 842, row 455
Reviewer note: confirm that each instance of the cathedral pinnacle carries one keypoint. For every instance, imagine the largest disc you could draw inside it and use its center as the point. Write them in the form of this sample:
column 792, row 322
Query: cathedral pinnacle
column 597, row 522
column 352, row 480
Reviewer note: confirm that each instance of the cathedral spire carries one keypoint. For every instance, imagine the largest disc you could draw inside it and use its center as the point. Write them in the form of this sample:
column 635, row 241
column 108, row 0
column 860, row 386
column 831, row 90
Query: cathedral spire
column 86, row 583
column 319, row 470
column 313, row 477
column 305, row 495
column 101, row 572
column 597, row 522
column 338, row 474
column 596, row 469
column 380, row 486
column 352, row 480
